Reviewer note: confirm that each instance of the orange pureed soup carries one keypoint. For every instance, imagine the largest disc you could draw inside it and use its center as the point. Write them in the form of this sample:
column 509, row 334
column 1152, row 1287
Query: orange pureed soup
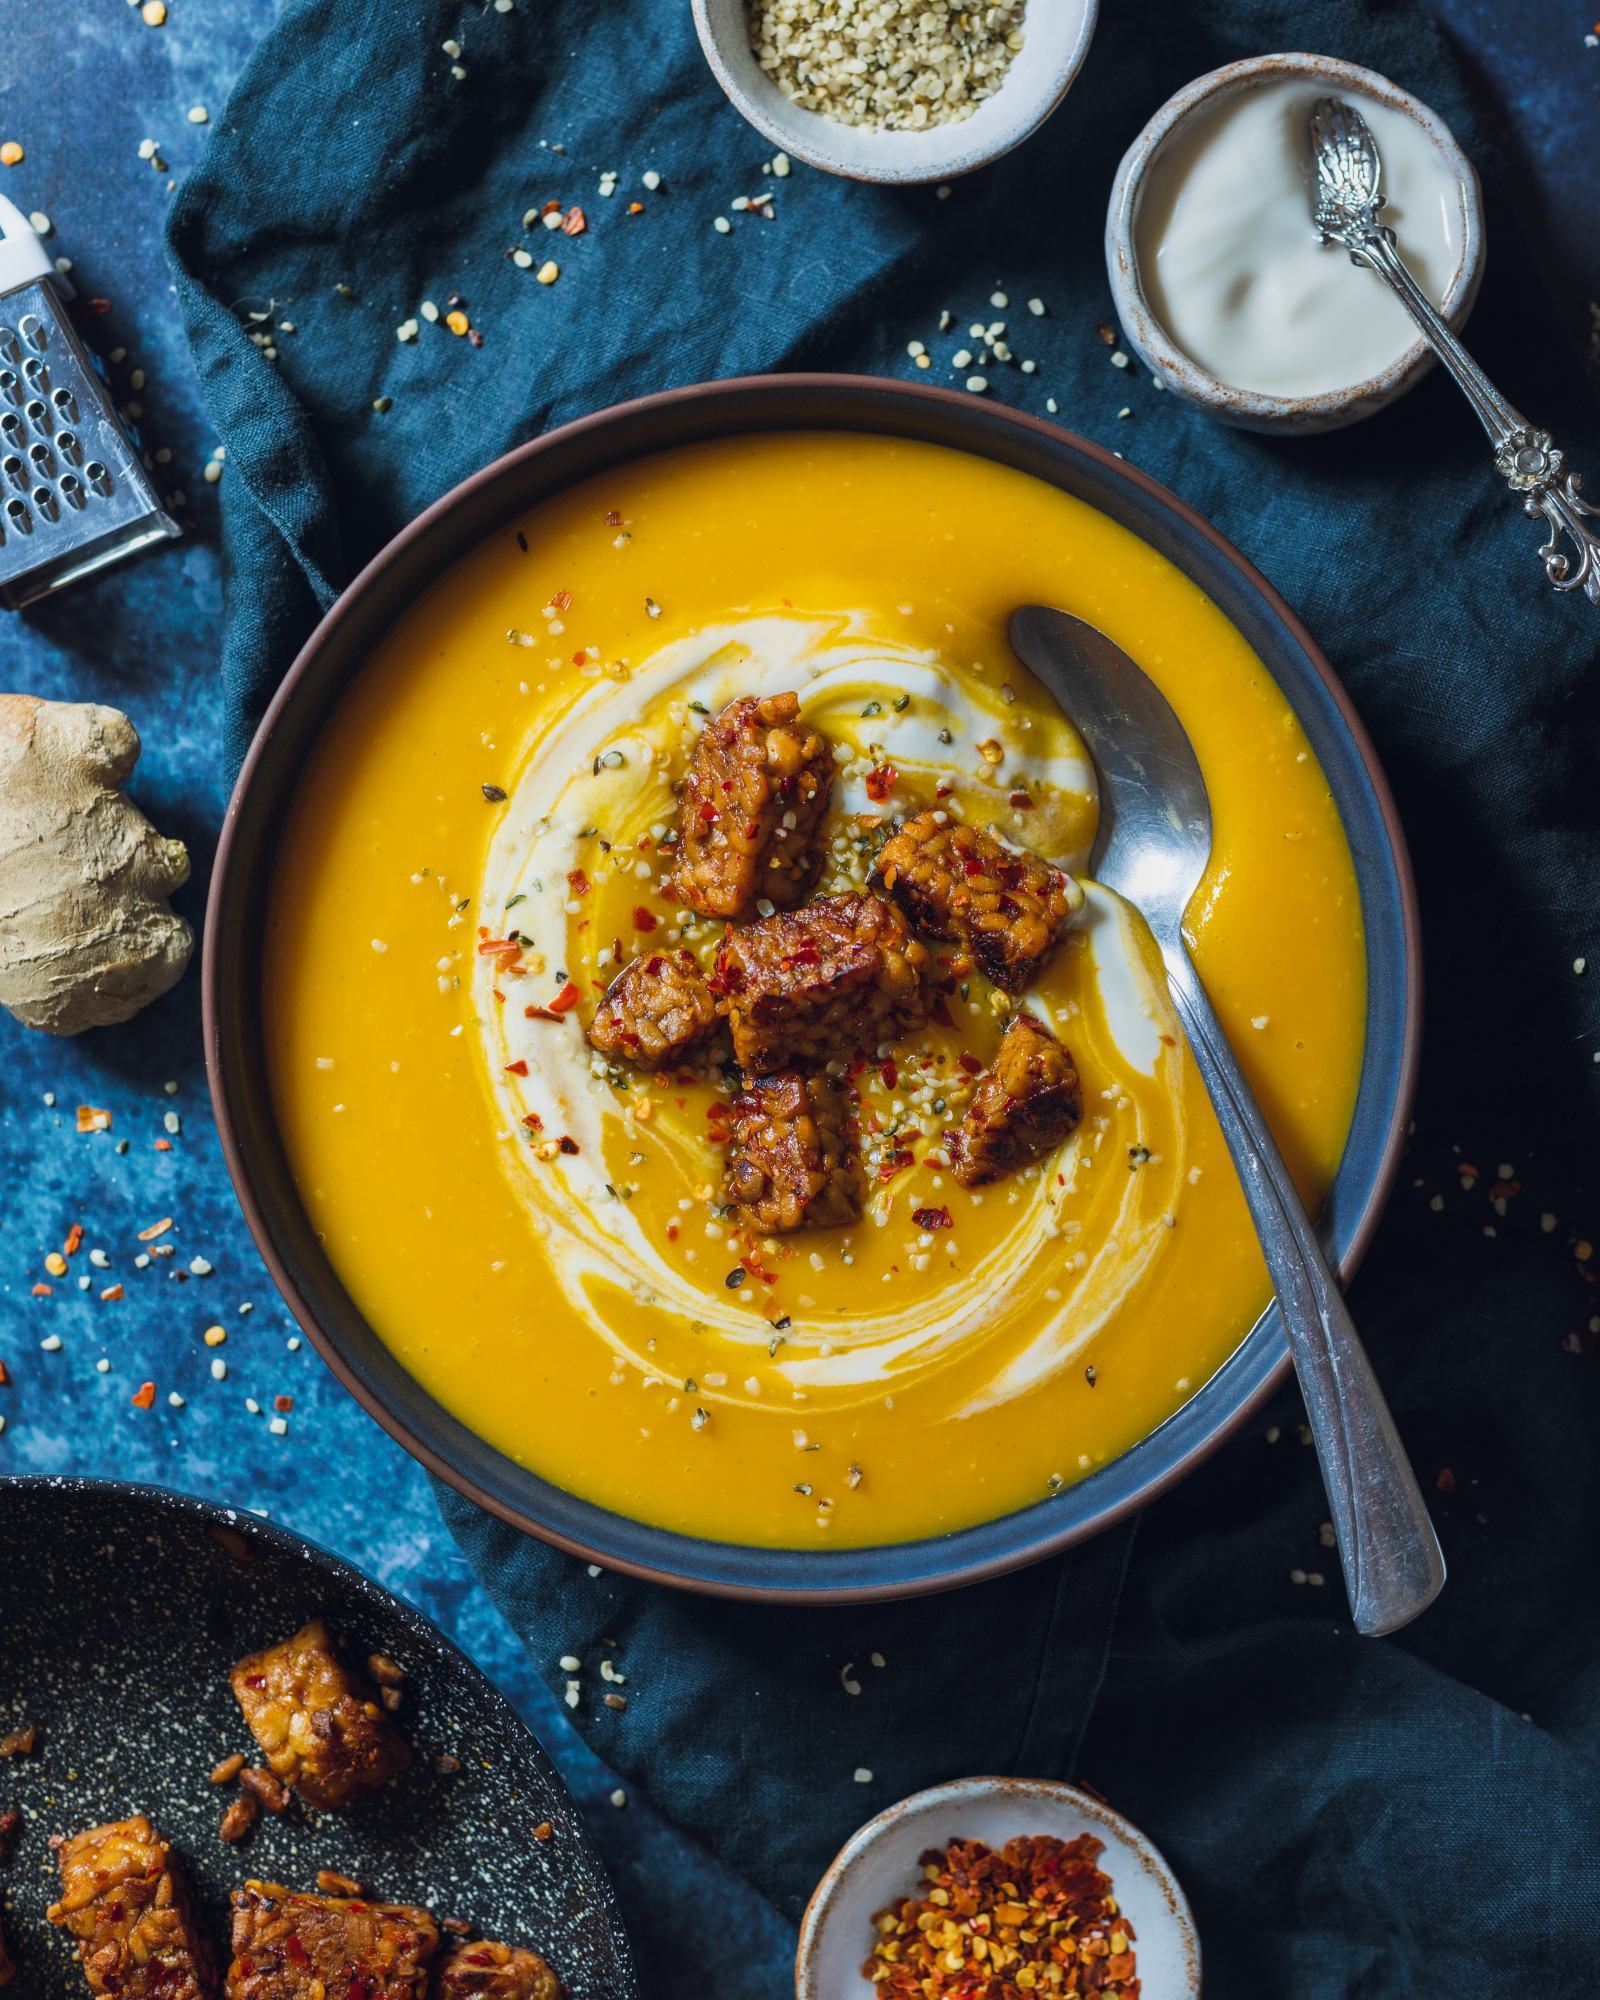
column 543, row 1239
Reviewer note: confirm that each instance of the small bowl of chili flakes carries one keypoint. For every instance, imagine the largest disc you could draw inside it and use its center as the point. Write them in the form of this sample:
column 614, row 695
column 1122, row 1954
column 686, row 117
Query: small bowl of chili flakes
column 995, row 1886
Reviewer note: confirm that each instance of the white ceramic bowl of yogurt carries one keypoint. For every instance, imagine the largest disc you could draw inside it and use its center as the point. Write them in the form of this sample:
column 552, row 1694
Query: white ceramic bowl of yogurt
column 1222, row 285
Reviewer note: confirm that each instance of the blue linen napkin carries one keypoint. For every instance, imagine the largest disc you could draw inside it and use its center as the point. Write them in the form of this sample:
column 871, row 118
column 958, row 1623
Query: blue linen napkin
column 1349, row 1816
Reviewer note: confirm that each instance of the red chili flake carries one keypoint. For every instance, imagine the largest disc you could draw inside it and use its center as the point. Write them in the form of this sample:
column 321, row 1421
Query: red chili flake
column 163, row 1145
column 971, row 1064
column 574, row 222
column 969, row 867
column 939, row 1013
column 943, row 790
column 1021, row 801
column 932, row 1218
column 43, row 1291
column 1446, row 1481
column 550, row 208
column 113, row 1292
column 1038, row 1902
column 500, row 948
column 144, row 1395
column 889, row 1070
column 539, row 1014
column 562, row 600
column 74, row 1240
column 284, row 1403
column 613, row 519
column 881, row 782
column 517, row 1068
column 577, row 882
column 643, row 919
column 636, row 208
column 708, row 812
column 896, row 1163
column 567, row 1145
column 566, row 999
column 534, row 1122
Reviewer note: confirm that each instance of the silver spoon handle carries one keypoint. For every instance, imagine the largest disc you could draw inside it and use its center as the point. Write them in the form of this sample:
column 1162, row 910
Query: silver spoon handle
column 1524, row 456
column 1393, row 1565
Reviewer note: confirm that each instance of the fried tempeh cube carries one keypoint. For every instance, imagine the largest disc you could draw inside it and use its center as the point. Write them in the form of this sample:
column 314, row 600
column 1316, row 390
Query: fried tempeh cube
column 840, row 975
column 319, row 1723
column 495, row 1972
column 293, row 1946
column 1022, row 1108
column 757, row 787
column 792, row 1161
column 123, row 1897
column 956, row 880
column 658, row 1009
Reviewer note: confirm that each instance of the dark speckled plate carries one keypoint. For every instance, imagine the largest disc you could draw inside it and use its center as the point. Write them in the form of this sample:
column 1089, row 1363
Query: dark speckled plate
column 121, row 1610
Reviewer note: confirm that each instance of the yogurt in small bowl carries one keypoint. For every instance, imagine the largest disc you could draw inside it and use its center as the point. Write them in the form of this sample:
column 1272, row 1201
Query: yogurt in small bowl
column 1223, row 285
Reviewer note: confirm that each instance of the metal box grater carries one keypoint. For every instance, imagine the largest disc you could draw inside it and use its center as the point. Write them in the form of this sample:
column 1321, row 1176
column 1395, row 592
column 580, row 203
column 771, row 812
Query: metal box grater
column 73, row 493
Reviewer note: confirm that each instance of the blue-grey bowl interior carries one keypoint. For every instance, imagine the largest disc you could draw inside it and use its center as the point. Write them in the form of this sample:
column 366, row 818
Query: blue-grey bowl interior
column 461, row 522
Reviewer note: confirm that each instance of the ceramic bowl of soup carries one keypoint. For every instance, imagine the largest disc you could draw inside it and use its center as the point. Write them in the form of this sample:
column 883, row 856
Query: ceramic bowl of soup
column 462, row 819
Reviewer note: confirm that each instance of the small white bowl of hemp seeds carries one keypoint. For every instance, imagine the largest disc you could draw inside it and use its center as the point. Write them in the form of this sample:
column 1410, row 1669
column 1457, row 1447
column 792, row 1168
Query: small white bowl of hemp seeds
column 895, row 90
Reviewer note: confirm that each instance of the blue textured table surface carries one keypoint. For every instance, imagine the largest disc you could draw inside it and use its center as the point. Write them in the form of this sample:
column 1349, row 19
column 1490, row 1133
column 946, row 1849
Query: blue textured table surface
column 82, row 83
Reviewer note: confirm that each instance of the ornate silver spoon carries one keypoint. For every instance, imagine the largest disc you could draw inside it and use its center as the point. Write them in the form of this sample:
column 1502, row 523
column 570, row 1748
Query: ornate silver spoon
column 1345, row 204
column 1153, row 847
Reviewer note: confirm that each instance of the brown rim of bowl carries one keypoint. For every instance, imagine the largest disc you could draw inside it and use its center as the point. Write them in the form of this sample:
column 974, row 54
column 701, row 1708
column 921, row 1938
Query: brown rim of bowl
column 1145, row 328
column 758, row 388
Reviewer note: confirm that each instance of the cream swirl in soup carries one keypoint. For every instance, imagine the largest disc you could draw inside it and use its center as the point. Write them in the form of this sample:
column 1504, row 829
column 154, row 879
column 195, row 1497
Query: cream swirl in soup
column 622, row 1169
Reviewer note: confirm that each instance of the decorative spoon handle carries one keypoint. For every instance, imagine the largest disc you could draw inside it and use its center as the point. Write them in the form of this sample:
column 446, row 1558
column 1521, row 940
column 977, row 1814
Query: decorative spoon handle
column 1393, row 1565
column 1345, row 207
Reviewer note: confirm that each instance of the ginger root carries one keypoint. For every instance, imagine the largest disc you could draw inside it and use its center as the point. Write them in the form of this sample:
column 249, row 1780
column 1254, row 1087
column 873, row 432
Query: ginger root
column 86, row 937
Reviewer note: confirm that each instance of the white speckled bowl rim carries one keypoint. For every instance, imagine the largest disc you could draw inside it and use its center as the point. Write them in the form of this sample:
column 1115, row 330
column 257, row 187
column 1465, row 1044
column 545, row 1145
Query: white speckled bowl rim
column 1055, row 43
column 879, row 1861
column 1252, row 408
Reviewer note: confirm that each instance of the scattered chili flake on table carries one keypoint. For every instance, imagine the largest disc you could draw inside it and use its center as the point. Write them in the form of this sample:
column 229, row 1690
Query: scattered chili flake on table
column 1036, row 1917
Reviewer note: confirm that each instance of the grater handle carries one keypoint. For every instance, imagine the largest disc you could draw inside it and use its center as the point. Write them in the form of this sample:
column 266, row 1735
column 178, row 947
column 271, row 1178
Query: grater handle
column 23, row 257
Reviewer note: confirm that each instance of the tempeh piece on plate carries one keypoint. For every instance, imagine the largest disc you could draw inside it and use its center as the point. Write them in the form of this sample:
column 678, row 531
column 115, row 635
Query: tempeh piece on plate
column 792, row 1161
column 293, row 1946
column 757, row 786
column 495, row 1972
column 1024, row 1106
column 956, row 880
column 320, row 1724
column 842, row 975
column 124, row 1899
column 658, row 1009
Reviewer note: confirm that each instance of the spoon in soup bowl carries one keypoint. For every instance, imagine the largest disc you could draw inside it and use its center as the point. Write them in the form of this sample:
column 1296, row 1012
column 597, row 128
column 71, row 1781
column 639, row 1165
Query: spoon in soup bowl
column 1152, row 848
